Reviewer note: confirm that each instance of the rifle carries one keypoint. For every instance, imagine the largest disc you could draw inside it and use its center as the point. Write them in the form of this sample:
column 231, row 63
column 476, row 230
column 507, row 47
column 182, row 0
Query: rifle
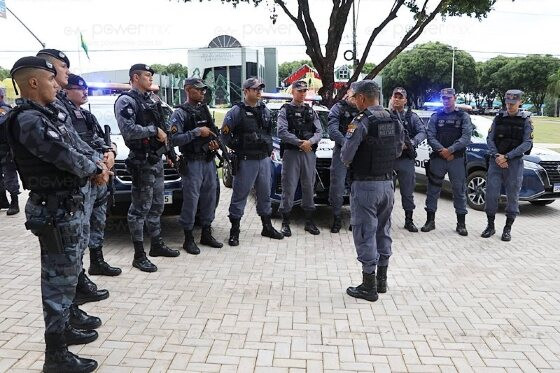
column 111, row 183
column 225, row 157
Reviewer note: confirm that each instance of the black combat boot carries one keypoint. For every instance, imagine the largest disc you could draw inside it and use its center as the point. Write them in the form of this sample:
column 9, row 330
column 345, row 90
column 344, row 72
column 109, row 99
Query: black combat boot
column 461, row 227
column 98, row 265
column 58, row 359
column 506, row 234
column 337, row 224
column 268, row 230
column 189, row 245
column 430, row 222
column 234, row 232
column 366, row 290
column 87, row 291
column 409, row 222
column 490, row 229
column 207, row 239
column 140, row 260
column 310, row 224
column 159, row 248
column 14, row 205
column 79, row 319
column 286, row 231
column 381, row 278
column 75, row 336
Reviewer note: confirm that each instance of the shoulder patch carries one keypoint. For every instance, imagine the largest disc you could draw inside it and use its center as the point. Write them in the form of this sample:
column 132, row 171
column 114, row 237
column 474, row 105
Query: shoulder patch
column 127, row 111
column 53, row 135
column 173, row 129
column 225, row 129
column 351, row 128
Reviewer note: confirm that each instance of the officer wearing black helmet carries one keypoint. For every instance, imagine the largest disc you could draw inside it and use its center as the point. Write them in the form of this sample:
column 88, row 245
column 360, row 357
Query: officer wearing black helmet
column 54, row 171
column 509, row 138
column 142, row 125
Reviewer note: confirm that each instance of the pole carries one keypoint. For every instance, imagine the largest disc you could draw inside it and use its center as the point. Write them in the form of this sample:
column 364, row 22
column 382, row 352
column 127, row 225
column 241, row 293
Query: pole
column 453, row 69
column 27, row 28
column 354, row 48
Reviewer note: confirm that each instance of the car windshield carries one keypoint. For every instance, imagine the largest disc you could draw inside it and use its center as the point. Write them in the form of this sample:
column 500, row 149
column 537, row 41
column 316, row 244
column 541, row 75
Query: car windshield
column 105, row 115
column 323, row 117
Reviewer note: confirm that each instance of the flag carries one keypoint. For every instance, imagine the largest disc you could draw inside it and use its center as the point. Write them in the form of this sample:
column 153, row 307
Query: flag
column 3, row 8
column 84, row 45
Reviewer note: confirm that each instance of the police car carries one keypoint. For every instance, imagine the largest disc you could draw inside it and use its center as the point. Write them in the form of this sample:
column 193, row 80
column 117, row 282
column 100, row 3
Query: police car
column 541, row 175
column 103, row 108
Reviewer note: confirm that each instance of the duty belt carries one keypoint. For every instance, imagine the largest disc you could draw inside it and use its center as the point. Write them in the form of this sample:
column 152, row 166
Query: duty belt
column 67, row 200
column 388, row 176
column 198, row 156
column 252, row 157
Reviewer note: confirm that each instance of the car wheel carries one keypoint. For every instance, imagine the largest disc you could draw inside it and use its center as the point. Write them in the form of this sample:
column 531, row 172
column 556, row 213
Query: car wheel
column 476, row 190
column 542, row 203
column 227, row 177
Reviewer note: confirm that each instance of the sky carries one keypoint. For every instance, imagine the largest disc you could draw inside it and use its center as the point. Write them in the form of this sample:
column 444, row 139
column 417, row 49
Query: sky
column 120, row 33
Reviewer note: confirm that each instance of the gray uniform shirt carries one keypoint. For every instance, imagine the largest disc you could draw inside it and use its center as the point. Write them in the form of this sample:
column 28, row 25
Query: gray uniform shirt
column 527, row 137
column 356, row 135
column 126, row 110
column 180, row 136
column 416, row 123
column 460, row 143
column 290, row 138
column 334, row 125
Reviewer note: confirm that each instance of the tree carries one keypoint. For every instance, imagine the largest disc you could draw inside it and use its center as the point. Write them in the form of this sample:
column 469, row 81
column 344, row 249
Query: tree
column 175, row 69
column 285, row 69
column 4, row 73
column 324, row 54
column 425, row 69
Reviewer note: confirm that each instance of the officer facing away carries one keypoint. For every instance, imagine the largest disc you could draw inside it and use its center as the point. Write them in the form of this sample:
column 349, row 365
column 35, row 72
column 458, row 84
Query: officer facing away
column 374, row 142
column 415, row 133
column 340, row 116
column 143, row 128
column 299, row 130
column 8, row 172
column 96, row 209
column 509, row 138
column 53, row 171
column 194, row 132
column 449, row 132
column 247, row 130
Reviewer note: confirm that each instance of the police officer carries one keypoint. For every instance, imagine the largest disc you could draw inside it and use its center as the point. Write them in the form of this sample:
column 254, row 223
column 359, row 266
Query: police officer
column 340, row 115
column 247, row 130
column 143, row 128
column 86, row 290
column 374, row 141
column 449, row 132
column 299, row 130
column 90, row 131
column 509, row 138
column 54, row 171
column 8, row 172
column 415, row 133
column 194, row 132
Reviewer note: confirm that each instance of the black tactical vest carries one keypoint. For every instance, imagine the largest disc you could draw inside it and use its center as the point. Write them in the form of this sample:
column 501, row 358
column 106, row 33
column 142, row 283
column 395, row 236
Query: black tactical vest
column 509, row 132
column 148, row 113
column 300, row 123
column 253, row 133
column 84, row 128
column 377, row 152
column 37, row 175
column 449, row 127
column 347, row 113
column 4, row 148
column 197, row 116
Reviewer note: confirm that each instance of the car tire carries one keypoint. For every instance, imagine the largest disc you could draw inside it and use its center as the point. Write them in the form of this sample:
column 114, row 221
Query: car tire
column 542, row 203
column 227, row 177
column 476, row 190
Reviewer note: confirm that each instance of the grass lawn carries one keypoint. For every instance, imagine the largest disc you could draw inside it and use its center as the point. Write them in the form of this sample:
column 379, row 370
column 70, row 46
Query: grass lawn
column 547, row 130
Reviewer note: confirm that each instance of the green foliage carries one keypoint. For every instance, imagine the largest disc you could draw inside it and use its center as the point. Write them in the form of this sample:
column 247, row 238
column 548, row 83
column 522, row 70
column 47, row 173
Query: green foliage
column 426, row 69
column 4, row 73
column 287, row 68
column 175, row 69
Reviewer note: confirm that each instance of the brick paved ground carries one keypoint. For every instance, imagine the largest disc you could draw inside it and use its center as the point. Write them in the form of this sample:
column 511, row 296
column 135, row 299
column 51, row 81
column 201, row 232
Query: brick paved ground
column 455, row 304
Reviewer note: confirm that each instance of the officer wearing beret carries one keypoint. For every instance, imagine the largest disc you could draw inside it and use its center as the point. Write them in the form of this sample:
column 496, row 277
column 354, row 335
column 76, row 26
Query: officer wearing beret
column 86, row 290
column 194, row 132
column 415, row 133
column 8, row 173
column 53, row 170
column 340, row 116
column 247, row 130
column 374, row 141
column 449, row 132
column 143, row 128
column 300, row 131
column 90, row 131
column 509, row 138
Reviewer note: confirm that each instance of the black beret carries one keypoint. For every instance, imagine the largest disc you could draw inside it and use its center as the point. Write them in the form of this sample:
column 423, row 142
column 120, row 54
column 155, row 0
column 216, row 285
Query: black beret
column 56, row 54
column 32, row 63
column 140, row 67
column 77, row 80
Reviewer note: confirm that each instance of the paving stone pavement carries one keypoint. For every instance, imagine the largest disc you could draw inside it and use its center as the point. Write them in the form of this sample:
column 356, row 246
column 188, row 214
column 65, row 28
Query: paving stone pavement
column 455, row 304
